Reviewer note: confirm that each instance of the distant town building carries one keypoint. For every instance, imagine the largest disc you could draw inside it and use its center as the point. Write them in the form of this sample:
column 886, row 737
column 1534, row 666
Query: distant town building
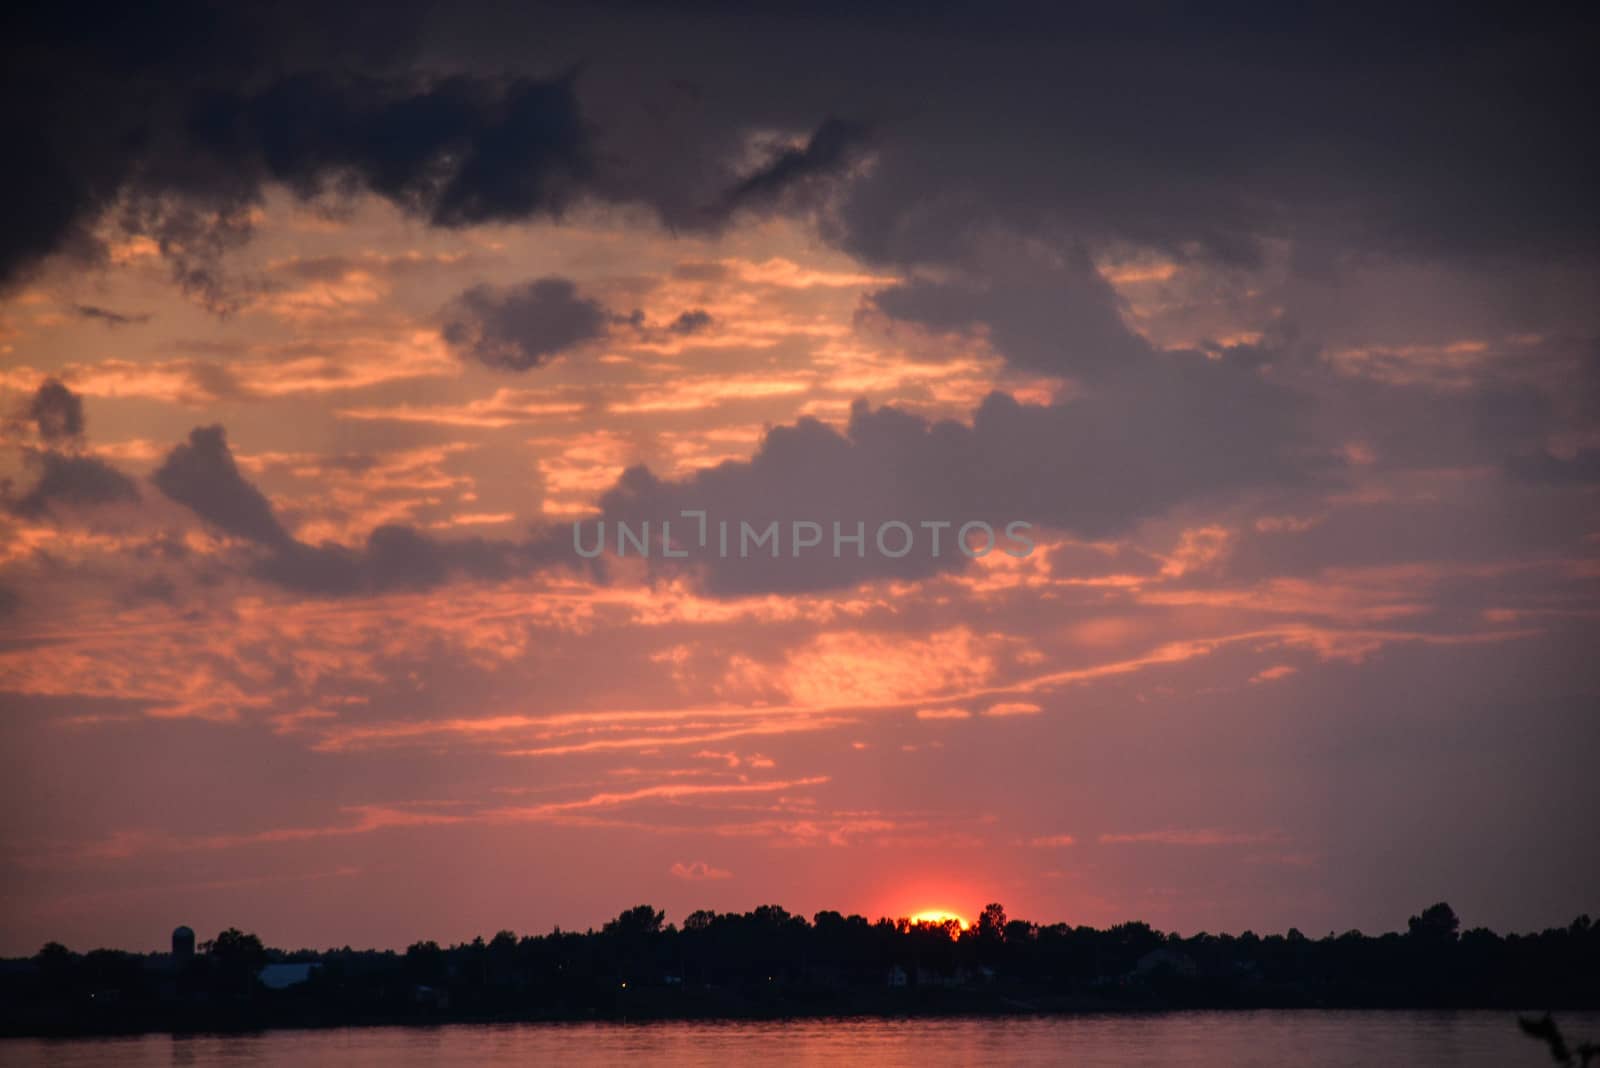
column 430, row 997
column 281, row 976
column 182, row 943
column 1165, row 960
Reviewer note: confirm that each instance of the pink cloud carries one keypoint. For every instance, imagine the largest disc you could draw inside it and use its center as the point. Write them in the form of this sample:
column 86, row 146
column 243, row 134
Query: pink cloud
column 698, row 871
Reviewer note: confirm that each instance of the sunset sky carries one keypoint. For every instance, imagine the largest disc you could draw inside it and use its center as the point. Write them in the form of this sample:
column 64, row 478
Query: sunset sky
column 319, row 329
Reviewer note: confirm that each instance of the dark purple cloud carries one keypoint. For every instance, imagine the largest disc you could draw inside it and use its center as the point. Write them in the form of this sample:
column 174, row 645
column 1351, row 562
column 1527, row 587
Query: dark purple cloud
column 692, row 321
column 1430, row 133
column 455, row 150
column 1043, row 311
column 62, row 475
column 1183, row 428
column 201, row 475
column 830, row 149
column 73, row 481
column 517, row 328
column 56, row 412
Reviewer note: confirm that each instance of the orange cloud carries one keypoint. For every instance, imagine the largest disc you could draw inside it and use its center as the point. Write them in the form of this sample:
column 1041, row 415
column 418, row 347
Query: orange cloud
column 1012, row 708
column 943, row 713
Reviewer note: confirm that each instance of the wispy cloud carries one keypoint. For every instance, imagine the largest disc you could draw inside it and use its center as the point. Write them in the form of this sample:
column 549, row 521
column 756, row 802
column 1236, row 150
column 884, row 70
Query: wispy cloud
column 698, row 871
column 1208, row 836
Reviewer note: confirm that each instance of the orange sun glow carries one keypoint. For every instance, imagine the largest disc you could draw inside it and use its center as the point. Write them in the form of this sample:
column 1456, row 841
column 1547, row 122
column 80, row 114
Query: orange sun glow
column 938, row 916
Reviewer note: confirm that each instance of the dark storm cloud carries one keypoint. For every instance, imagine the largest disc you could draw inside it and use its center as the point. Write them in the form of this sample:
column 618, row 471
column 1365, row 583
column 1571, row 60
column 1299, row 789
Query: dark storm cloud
column 194, row 237
column 1092, row 467
column 200, row 475
column 1051, row 313
column 833, row 147
column 398, row 557
column 456, row 151
column 517, row 328
column 1433, row 131
column 74, row 481
column 1009, row 146
column 94, row 100
column 62, row 475
column 1451, row 135
column 56, row 412
column 179, row 113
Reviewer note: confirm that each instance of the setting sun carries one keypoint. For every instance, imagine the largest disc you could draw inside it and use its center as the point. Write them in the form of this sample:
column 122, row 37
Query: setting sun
column 938, row 916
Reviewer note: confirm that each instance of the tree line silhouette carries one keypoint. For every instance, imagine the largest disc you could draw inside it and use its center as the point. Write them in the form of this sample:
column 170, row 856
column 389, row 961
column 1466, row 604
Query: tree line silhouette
column 771, row 963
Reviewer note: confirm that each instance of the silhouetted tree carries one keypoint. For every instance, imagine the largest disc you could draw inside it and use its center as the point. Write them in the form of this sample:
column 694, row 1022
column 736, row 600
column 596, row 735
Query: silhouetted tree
column 55, row 966
column 425, row 963
column 770, row 962
column 992, row 922
column 637, row 921
column 1438, row 923
column 237, row 957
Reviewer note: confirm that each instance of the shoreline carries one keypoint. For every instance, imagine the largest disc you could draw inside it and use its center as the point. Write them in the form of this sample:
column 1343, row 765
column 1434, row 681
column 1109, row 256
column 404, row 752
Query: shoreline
column 240, row 1026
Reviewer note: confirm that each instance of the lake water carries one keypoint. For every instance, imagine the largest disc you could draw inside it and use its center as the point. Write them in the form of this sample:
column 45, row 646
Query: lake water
column 1176, row 1040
